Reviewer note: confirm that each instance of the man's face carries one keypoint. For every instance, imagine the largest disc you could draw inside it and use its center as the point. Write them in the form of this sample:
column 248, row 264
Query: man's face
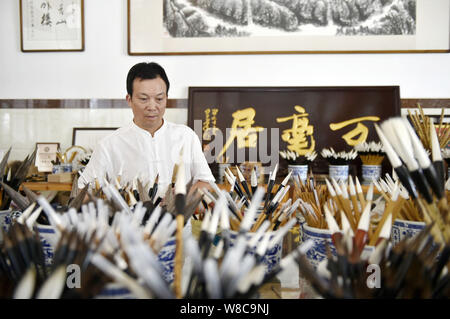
column 148, row 103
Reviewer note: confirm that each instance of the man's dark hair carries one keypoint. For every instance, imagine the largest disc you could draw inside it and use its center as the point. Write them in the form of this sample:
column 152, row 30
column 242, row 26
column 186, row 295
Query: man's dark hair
column 146, row 70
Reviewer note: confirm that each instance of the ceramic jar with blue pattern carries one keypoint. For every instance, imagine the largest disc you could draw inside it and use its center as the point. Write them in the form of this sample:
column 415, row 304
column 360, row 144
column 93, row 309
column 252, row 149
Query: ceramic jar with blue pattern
column 321, row 238
column 402, row 229
column 299, row 170
column 115, row 291
column 370, row 172
column 338, row 172
column 272, row 257
column 5, row 221
column 49, row 239
column 166, row 257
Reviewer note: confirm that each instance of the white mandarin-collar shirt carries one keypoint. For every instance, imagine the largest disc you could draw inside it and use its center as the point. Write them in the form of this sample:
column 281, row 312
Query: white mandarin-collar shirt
column 131, row 151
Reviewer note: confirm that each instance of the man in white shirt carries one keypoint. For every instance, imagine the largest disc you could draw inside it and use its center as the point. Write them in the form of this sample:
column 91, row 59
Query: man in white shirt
column 149, row 145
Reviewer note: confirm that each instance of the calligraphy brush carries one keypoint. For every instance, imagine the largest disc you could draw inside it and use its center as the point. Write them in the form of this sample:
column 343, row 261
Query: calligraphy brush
column 234, row 186
column 338, row 158
column 283, row 183
column 23, row 170
column 250, row 285
column 399, row 168
column 180, row 193
column 145, row 263
column 286, row 216
column 271, row 208
column 422, row 171
column 77, row 201
column 437, row 157
column 25, row 288
column 270, row 185
column 3, row 165
column 362, row 232
column 15, row 263
column 21, row 201
column 371, row 153
column 233, row 181
column 253, row 180
column 121, row 277
column 244, row 182
column 354, row 200
column 197, row 278
column 399, row 137
column 135, row 190
column 32, row 196
column 293, row 158
column 174, row 174
column 424, row 161
column 154, row 189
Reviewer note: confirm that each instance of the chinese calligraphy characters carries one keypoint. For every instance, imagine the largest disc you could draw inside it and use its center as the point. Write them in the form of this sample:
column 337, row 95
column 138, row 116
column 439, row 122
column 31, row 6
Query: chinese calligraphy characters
column 210, row 124
column 297, row 135
column 360, row 130
column 242, row 130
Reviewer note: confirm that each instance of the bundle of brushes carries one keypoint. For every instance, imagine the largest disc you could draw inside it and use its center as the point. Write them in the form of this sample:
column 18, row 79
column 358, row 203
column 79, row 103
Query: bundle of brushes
column 424, row 179
column 293, row 158
column 24, row 271
column 9, row 182
column 411, row 269
column 234, row 268
column 124, row 250
column 312, row 197
column 95, row 235
column 370, row 153
column 275, row 208
column 422, row 125
column 150, row 194
column 408, row 209
column 338, row 158
column 353, row 211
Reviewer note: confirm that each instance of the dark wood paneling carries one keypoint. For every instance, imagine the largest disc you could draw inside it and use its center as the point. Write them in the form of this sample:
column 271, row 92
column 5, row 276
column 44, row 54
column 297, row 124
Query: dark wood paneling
column 171, row 103
column 426, row 103
column 78, row 104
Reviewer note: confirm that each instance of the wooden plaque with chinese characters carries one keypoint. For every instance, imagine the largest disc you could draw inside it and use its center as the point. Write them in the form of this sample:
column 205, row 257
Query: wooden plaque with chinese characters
column 254, row 120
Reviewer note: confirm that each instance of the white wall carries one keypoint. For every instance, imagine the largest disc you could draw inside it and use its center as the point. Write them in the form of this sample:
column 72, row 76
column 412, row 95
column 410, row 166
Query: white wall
column 100, row 71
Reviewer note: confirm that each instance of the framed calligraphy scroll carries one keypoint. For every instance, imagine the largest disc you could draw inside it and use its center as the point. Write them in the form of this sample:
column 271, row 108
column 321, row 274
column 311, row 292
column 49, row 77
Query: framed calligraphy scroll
column 239, row 124
column 50, row 25
column 294, row 26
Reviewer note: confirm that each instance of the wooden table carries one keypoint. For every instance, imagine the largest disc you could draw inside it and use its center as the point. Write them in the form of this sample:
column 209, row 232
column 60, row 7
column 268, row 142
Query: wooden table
column 45, row 186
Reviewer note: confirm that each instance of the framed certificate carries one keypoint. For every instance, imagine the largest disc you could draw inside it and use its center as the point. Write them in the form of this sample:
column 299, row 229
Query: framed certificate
column 45, row 154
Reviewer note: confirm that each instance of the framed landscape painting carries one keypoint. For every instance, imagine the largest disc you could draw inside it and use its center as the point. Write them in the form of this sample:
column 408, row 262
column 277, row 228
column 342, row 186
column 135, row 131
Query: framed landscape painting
column 287, row 26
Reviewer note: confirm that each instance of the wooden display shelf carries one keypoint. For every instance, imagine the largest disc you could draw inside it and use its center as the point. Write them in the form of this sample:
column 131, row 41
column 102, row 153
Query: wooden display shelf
column 46, row 186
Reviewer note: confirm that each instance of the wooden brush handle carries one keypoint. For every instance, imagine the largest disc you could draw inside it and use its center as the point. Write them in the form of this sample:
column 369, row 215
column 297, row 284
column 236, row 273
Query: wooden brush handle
column 178, row 267
column 390, row 207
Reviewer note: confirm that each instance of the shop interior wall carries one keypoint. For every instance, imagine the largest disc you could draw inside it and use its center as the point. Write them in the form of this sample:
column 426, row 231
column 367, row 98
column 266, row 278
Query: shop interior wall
column 99, row 72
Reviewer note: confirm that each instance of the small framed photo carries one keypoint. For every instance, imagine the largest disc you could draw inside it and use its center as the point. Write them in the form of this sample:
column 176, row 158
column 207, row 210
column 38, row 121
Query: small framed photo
column 52, row 25
column 88, row 137
column 45, row 154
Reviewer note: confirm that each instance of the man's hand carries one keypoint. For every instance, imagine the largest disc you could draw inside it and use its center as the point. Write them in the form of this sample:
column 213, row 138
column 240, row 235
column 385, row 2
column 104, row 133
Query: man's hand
column 200, row 185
